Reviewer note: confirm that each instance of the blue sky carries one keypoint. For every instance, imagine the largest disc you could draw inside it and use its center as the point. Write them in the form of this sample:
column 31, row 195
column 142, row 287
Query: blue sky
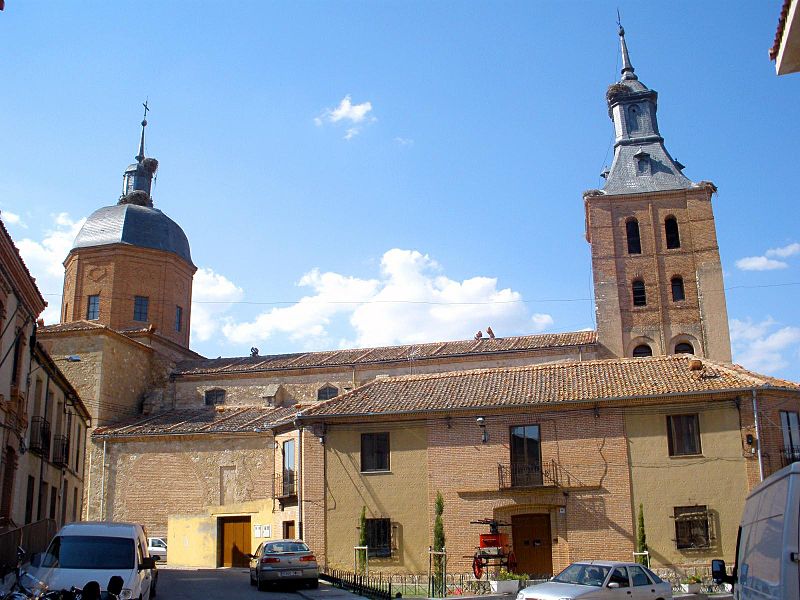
column 329, row 159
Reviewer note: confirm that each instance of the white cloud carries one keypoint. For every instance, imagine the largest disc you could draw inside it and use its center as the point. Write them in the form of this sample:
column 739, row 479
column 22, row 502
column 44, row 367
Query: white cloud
column 212, row 295
column 759, row 263
column 411, row 302
column 356, row 115
column 764, row 346
column 12, row 218
column 785, row 251
column 45, row 260
column 404, row 141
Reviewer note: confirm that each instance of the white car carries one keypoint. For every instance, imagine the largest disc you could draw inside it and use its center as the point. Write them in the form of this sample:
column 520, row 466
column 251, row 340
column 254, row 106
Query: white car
column 601, row 580
column 95, row 551
column 157, row 547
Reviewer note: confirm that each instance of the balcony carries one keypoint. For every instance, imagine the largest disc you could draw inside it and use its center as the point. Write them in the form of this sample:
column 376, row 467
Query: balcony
column 536, row 475
column 40, row 436
column 285, row 485
column 61, row 451
column 790, row 455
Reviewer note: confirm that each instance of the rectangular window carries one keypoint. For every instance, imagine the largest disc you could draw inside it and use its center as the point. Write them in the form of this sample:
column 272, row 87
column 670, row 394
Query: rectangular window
column 42, row 507
column 178, row 318
column 683, row 435
column 93, row 308
column 53, row 501
column 526, row 456
column 379, row 537
column 375, row 451
column 288, row 468
column 140, row 305
column 74, row 505
column 29, row 500
column 790, row 427
column 215, row 397
column 691, row 527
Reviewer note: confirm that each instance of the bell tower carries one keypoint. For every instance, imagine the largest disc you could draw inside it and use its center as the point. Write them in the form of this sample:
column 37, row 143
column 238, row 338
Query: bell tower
column 130, row 266
column 655, row 261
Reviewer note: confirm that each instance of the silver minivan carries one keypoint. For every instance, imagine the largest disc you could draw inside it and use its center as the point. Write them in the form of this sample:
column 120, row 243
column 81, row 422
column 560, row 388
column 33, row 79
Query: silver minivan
column 95, row 551
column 768, row 549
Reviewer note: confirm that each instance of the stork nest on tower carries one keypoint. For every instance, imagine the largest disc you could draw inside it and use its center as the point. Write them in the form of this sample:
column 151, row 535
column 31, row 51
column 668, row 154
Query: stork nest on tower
column 151, row 164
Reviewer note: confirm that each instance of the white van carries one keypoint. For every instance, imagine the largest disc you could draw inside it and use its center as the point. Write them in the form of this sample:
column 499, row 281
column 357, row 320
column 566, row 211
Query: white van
column 95, row 551
column 768, row 548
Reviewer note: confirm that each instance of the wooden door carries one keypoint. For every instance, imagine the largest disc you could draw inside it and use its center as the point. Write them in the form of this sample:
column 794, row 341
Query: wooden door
column 288, row 530
column 235, row 544
column 533, row 545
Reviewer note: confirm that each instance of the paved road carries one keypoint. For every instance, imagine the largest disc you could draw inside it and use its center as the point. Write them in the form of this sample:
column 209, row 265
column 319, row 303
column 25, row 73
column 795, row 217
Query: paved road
column 232, row 584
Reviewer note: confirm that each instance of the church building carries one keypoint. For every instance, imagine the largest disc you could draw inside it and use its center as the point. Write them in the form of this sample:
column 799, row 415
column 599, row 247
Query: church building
column 562, row 437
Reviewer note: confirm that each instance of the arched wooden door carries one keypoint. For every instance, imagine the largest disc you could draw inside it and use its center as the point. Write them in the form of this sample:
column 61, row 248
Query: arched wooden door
column 533, row 545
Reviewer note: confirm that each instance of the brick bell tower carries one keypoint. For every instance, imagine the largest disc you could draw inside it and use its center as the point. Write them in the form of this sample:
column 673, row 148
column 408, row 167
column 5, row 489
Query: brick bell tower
column 655, row 261
column 130, row 266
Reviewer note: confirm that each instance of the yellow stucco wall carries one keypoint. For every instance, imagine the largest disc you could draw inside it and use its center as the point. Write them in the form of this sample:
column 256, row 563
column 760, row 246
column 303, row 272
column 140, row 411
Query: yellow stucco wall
column 192, row 539
column 717, row 478
column 400, row 495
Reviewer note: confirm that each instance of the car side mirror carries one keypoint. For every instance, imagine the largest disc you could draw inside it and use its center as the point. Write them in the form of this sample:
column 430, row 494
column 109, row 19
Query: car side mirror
column 719, row 573
column 148, row 562
column 613, row 585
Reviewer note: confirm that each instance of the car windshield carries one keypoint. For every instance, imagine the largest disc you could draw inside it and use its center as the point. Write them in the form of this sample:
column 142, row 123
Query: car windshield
column 89, row 552
column 277, row 547
column 582, row 574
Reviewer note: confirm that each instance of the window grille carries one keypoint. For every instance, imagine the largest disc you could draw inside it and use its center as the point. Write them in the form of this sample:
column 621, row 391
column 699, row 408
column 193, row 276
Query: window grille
column 379, row 537
column 692, row 527
column 214, row 397
column 639, row 293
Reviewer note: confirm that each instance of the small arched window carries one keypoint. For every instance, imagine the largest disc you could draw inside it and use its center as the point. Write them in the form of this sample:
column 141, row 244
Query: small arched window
column 639, row 293
column 671, row 232
column 634, row 241
column 678, row 292
column 214, row 397
column 327, row 392
column 642, row 350
column 684, row 348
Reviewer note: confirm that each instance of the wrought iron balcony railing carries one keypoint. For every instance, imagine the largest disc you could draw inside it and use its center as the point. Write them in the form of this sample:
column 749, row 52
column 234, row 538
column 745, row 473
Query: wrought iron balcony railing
column 528, row 475
column 790, row 455
column 61, row 451
column 285, row 484
column 40, row 436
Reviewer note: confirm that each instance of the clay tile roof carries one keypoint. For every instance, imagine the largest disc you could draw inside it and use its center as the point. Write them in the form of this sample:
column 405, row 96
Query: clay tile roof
column 72, row 326
column 547, row 383
column 776, row 43
column 205, row 420
column 385, row 354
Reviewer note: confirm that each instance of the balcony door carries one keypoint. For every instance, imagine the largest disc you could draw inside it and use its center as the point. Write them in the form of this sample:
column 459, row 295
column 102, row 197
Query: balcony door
column 790, row 427
column 526, row 456
column 289, row 481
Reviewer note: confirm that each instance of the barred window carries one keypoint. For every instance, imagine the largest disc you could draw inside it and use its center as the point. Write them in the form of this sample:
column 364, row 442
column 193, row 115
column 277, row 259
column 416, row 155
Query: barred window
column 379, row 537
column 140, row 305
column 215, row 397
column 691, row 527
column 683, row 434
column 93, row 308
column 375, row 451
column 639, row 293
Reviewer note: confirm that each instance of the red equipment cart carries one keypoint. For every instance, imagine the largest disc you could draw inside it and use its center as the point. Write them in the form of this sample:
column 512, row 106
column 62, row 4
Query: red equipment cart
column 493, row 549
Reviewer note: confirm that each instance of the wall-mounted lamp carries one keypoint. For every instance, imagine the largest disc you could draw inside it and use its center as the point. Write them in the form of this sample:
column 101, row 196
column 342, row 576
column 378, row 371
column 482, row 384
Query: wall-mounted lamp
column 481, row 421
column 750, row 439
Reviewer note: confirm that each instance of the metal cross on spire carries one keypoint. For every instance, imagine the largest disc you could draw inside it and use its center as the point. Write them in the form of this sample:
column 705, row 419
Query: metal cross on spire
column 627, row 67
column 140, row 156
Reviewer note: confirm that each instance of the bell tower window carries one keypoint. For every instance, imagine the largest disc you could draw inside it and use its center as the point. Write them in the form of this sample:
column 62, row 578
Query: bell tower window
column 678, row 292
column 634, row 241
column 140, row 305
column 642, row 351
column 639, row 293
column 672, row 234
column 684, row 348
column 93, row 308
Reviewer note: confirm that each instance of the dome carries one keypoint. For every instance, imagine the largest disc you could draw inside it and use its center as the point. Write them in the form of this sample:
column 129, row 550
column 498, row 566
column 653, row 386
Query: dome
column 135, row 225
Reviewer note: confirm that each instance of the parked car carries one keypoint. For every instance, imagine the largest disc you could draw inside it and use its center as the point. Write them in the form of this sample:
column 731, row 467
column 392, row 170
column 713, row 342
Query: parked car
column 283, row 561
column 601, row 579
column 767, row 561
column 157, row 547
column 94, row 551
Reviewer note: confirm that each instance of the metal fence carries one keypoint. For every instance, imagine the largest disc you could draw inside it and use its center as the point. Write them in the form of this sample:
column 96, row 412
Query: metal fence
column 33, row 538
column 376, row 587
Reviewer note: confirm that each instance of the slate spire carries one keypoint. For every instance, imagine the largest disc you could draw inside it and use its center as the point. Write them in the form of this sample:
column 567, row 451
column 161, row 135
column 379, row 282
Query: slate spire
column 138, row 178
column 641, row 162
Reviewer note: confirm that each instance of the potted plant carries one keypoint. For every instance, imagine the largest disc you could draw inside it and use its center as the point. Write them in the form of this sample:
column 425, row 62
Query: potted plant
column 691, row 584
column 506, row 582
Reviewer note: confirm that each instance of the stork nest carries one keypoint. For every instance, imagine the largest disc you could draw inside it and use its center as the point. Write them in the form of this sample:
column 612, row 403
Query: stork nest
column 151, row 164
column 617, row 91
column 137, row 197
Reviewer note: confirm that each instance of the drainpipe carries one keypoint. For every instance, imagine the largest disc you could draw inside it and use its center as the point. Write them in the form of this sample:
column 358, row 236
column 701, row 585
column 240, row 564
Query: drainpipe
column 103, row 485
column 758, row 436
column 300, row 486
column 88, row 483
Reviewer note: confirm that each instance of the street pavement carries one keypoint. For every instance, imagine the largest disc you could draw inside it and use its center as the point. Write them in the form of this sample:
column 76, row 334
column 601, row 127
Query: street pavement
column 233, row 584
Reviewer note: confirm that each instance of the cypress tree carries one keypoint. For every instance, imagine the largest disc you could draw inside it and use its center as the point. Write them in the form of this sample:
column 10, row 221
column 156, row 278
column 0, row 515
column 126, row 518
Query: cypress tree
column 641, row 537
